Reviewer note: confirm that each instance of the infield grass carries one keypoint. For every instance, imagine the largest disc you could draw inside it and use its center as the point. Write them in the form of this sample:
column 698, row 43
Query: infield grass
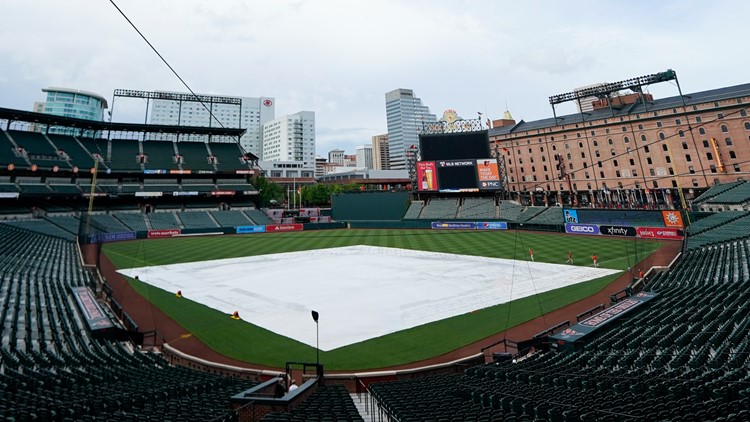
column 244, row 341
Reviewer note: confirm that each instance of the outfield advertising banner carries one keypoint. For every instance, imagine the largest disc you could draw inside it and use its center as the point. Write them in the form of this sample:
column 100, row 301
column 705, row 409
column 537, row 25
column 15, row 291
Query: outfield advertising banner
column 621, row 231
column 672, row 219
column 251, row 229
column 111, row 237
column 453, row 226
column 492, row 225
column 275, row 228
column 660, row 233
column 155, row 234
column 591, row 229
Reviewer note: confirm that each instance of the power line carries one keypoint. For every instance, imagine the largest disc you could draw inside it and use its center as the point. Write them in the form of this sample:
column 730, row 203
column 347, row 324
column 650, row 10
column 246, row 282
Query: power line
column 167, row 63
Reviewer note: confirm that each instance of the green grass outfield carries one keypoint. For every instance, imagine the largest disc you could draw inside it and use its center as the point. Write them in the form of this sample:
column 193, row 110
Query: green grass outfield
column 246, row 342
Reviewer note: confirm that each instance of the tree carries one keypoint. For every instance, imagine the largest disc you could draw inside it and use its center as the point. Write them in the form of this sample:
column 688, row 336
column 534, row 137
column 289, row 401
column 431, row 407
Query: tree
column 270, row 192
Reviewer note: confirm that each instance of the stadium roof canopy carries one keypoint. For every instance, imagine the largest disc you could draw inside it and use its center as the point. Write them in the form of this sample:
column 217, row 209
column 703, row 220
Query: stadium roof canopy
column 98, row 126
column 726, row 93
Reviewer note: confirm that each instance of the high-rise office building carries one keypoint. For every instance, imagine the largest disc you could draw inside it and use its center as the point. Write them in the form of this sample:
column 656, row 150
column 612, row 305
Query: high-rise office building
column 291, row 138
column 251, row 115
column 364, row 157
column 405, row 115
column 336, row 156
column 380, row 158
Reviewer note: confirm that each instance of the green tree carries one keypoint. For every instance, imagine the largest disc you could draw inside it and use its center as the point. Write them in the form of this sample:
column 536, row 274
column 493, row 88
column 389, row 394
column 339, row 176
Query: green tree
column 270, row 192
column 318, row 194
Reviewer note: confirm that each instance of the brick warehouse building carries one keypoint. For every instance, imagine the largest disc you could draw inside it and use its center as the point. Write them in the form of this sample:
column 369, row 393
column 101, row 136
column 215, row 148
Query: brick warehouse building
column 627, row 151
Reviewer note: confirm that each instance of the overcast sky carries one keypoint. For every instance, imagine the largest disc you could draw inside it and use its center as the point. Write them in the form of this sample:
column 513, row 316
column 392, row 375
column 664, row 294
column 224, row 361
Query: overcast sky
column 339, row 58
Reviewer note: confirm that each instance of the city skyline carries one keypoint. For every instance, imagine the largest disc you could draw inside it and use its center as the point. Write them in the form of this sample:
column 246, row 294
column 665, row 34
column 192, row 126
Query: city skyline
column 286, row 50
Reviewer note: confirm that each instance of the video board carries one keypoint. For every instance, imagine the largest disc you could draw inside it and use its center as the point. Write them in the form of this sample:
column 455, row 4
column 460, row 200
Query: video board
column 457, row 162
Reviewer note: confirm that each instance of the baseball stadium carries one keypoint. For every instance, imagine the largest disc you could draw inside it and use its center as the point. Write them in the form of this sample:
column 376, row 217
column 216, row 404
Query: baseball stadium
column 148, row 280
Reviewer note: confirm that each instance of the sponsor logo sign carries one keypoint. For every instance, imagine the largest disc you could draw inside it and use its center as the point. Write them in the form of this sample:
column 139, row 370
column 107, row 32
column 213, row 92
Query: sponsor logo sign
column 581, row 228
column 155, row 234
column 660, row 233
column 8, row 194
column 187, row 193
column 111, row 237
column 148, row 194
column 617, row 231
column 180, row 171
column 453, row 226
column 672, row 219
column 154, row 172
column 492, row 225
column 251, row 229
column 244, row 172
column 426, row 176
column 222, row 193
column 488, row 174
column 283, row 228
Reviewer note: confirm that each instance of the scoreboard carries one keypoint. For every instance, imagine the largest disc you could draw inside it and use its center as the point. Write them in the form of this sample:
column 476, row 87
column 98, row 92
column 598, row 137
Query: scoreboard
column 457, row 162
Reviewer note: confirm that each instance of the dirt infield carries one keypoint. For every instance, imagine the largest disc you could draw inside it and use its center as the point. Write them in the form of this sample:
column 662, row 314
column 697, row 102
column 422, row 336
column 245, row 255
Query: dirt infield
column 148, row 317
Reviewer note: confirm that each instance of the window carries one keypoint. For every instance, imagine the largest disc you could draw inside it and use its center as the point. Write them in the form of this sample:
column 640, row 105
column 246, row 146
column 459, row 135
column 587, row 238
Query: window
column 705, row 144
column 597, row 153
column 691, row 169
column 569, row 157
column 648, row 160
column 743, row 113
column 628, row 150
column 643, row 138
column 640, row 127
column 529, row 150
column 688, row 158
column 651, row 172
column 669, row 160
column 599, row 163
column 545, row 168
column 698, row 119
column 617, row 173
column 664, row 147
column 695, row 183
column 732, row 154
column 728, row 141
column 554, row 148
column 677, row 122
column 671, row 171
column 684, row 145
column 580, row 145
column 635, row 174
column 713, row 168
column 702, row 131
column 612, row 151
column 583, row 155
column 709, row 156
column 609, row 141
column 658, row 124
column 626, row 140
column 601, row 174
column 570, row 166
column 661, row 136
column 724, row 129
column 632, row 162
column 654, row 184
column 720, row 115
column 566, row 146
column 593, row 133
column 614, row 163
column 681, row 133
column 747, row 126
column 736, row 167
column 646, row 149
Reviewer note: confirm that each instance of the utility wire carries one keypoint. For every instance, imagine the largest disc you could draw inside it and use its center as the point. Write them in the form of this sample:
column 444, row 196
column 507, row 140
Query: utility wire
column 167, row 63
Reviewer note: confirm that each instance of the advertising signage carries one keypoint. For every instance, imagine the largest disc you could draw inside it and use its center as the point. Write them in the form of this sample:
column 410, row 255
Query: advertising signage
column 488, row 174
column 427, row 176
column 581, row 228
column 660, row 233
column 621, row 231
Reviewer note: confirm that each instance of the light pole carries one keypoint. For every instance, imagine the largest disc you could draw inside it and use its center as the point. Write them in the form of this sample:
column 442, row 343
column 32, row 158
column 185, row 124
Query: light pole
column 315, row 317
